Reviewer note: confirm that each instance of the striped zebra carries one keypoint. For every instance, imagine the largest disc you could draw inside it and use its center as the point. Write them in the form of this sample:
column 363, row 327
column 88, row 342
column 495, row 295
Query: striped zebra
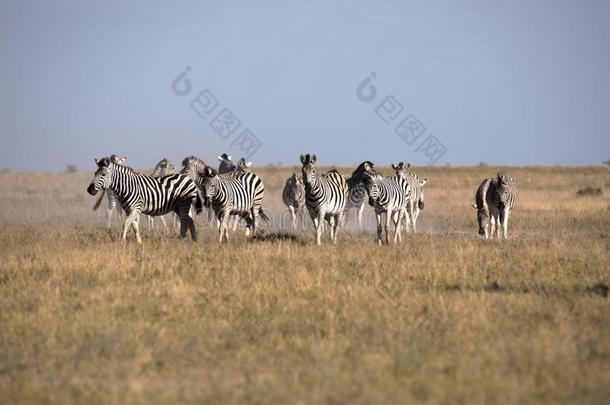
column 357, row 192
column 389, row 196
column 494, row 200
column 142, row 194
column 241, row 194
column 162, row 168
column 226, row 164
column 325, row 197
column 415, row 194
column 112, row 200
column 194, row 167
column 293, row 196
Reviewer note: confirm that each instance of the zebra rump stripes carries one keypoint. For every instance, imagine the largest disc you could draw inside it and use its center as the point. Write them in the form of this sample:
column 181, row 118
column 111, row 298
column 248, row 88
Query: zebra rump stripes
column 142, row 194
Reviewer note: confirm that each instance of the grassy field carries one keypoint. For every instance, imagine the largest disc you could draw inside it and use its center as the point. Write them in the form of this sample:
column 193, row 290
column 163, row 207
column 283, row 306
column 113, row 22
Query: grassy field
column 445, row 317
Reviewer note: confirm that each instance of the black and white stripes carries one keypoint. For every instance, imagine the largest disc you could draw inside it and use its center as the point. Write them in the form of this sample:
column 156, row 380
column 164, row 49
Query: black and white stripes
column 142, row 194
column 494, row 200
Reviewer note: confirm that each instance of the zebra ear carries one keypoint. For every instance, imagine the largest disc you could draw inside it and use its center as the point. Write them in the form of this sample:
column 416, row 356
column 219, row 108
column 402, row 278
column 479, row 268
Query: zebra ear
column 302, row 159
column 408, row 165
column 229, row 157
column 395, row 167
column 97, row 162
column 219, row 158
column 248, row 164
column 314, row 158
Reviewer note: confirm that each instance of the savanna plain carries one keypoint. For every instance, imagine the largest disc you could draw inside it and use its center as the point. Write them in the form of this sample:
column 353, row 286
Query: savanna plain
column 444, row 317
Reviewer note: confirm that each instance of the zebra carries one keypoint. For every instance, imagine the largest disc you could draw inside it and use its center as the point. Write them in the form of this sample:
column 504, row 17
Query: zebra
column 415, row 194
column 162, row 168
column 293, row 196
column 357, row 192
column 112, row 200
column 226, row 165
column 389, row 196
column 243, row 166
column 192, row 166
column 241, row 194
column 141, row 194
column 494, row 200
column 325, row 197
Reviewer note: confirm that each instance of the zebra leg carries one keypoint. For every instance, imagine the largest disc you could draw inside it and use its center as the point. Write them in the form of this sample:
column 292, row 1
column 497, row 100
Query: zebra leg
column 332, row 224
column 162, row 218
column 186, row 221
column 293, row 217
column 379, row 228
column 223, row 219
column 388, row 219
column 415, row 215
column 492, row 226
column 110, row 209
column 319, row 224
column 360, row 211
column 504, row 220
column 132, row 220
column 397, row 218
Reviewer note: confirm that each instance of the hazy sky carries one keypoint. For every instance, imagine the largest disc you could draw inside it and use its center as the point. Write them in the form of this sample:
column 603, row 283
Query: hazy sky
column 524, row 82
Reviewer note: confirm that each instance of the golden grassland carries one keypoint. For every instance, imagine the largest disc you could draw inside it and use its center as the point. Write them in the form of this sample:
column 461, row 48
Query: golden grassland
column 443, row 317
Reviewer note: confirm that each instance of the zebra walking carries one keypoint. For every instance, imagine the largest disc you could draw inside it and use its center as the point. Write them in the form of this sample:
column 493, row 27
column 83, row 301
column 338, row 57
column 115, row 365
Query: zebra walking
column 325, row 197
column 357, row 192
column 241, row 194
column 142, row 194
column 415, row 194
column 195, row 167
column 494, row 200
column 293, row 196
column 389, row 196
column 112, row 199
column 162, row 168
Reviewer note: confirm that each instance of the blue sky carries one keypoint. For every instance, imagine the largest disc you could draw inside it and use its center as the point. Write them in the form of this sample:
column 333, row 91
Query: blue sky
column 525, row 82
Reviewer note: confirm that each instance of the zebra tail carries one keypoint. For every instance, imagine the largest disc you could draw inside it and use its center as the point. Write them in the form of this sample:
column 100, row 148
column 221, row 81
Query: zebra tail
column 263, row 215
column 99, row 200
column 198, row 204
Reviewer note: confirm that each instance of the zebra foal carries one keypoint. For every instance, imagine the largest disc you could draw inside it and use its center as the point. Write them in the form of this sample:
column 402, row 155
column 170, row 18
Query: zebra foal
column 293, row 197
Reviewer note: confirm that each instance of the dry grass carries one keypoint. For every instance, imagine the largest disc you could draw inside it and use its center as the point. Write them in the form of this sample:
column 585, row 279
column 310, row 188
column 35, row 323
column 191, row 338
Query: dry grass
column 445, row 317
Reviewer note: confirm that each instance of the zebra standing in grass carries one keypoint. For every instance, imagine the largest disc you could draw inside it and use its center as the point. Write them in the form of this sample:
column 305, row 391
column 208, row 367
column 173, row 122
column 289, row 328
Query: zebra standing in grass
column 357, row 192
column 325, row 197
column 226, row 164
column 192, row 166
column 112, row 200
column 389, row 196
column 142, row 194
column 494, row 200
column 241, row 194
column 293, row 196
column 163, row 168
column 414, row 193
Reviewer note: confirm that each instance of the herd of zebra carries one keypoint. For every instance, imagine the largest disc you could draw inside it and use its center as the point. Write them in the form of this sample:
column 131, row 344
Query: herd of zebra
column 234, row 192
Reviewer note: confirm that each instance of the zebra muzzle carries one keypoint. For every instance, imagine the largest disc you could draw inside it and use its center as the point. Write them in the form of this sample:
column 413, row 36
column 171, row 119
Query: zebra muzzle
column 91, row 189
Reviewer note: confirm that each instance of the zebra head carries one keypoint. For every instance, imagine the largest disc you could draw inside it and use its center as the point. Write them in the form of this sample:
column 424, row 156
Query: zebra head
column 309, row 169
column 118, row 160
column 369, row 180
column 210, row 183
column 295, row 185
column 226, row 164
column 401, row 169
column 163, row 168
column 103, row 176
column 243, row 166
column 192, row 165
